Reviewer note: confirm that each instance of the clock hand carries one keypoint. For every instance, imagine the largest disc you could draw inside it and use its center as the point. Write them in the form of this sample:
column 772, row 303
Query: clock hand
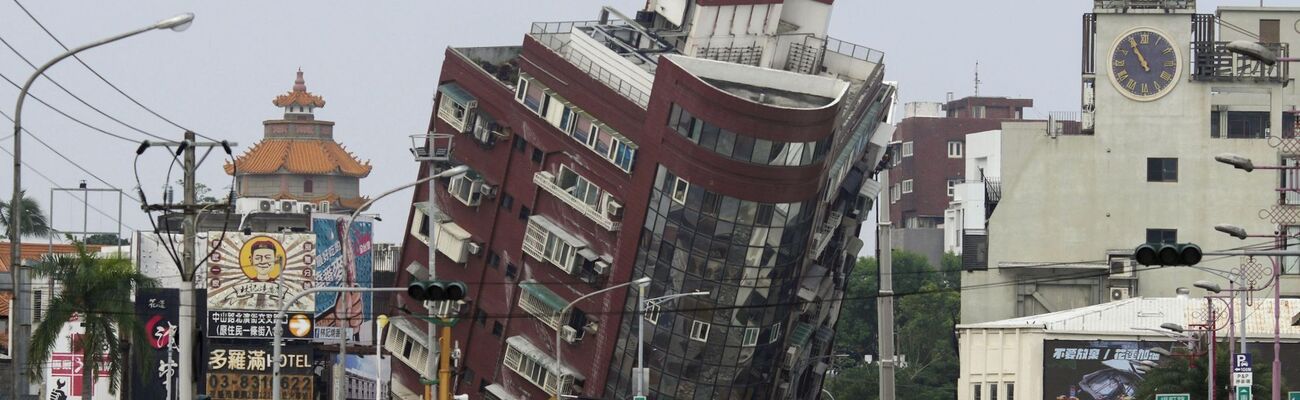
column 1141, row 59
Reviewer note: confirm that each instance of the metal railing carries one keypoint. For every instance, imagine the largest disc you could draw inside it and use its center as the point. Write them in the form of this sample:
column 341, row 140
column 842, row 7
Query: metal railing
column 553, row 35
column 1144, row 4
column 1211, row 61
column 852, row 50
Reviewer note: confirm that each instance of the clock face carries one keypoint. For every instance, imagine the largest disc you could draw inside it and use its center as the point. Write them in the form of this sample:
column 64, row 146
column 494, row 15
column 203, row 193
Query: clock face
column 1144, row 65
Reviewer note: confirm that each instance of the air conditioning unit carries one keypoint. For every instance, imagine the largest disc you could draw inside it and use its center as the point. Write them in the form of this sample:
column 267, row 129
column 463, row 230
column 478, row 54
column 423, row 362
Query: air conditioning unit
column 488, row 191
column 473, row 248
column 288, row 206
column 614, row 209
column 266, row 206
column 569, row 334
column 601, row 268
column 791, row 355
column 466, row 189
column 1117, row 294
column 251, row 205
column 323, row 207
column 1122, row 266
column 307, row 208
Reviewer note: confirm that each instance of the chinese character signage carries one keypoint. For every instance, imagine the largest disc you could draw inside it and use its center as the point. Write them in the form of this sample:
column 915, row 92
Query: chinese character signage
column 243, row 372
column 158, row 309
column 258, row 272
column 257, row 325
column 343, row 263
column 1094, row 370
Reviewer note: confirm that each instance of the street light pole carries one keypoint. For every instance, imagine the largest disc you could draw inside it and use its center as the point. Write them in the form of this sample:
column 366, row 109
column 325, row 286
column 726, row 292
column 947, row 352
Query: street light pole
column 638, row 378
column 279, row 331
column 21, row 334
column 559, row 366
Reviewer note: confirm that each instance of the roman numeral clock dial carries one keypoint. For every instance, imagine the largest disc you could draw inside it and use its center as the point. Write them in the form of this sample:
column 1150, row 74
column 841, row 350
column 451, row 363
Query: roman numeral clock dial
column 1144, row 65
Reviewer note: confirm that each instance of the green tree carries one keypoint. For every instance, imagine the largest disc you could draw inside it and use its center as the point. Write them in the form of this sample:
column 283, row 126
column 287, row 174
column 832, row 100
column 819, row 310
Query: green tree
column 33, row 219
column 97, row 292
column 106, row 239
column 1181, row 374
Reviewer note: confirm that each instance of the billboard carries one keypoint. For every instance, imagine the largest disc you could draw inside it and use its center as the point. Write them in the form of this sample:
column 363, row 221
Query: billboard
column 63, row 370
column 1095, row 370
column 343, row 263
column 153, row 255
column 242, row 371
column 159, row 309
column 257, row 272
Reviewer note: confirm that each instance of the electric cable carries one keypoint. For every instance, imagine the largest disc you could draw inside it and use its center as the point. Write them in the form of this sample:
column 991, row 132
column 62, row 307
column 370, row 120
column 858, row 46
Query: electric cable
column 66, row 115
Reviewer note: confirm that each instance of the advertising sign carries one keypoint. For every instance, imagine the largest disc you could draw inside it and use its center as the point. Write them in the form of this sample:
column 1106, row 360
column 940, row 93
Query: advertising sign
column 343, row 264
column 153, row 255
column 243, row 372
column 159, row 310
column 1182, row 396
column 1095, row 370
column 257, row 272
column 257, row 325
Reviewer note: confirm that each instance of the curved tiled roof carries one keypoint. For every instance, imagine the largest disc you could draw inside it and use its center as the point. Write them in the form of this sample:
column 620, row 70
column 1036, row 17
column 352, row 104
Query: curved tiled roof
column 299, row 156
column 299, row 96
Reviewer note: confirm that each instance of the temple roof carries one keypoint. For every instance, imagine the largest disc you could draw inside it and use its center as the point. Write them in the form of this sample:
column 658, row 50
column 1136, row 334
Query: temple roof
column 299, row 96
column 299, row 156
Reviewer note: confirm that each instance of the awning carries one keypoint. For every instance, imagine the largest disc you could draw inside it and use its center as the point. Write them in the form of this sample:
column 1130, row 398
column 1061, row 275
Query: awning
column 541, row 357
column 437, row 214
column 802, row 331
column 557, row 231
column 456, row 93
column 588, row 254
column 499, row 392
column 453, row 230
column 410, row 330
column 543, row 293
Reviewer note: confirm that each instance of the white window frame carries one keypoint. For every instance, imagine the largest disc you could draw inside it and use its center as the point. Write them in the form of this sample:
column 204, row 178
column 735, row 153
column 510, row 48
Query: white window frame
column 535, row 372
column 616, row 154
column 651, row 313
column 895, row 194
column 907, row 149
column 700, row 330
column 682, row 187
column 956, row 149
column 776, row 333
column 544, row 245
column 750, row 338
column 952, row 187
column 534, row 306
column 581, row 189
column 473, row 194
column 907, row 186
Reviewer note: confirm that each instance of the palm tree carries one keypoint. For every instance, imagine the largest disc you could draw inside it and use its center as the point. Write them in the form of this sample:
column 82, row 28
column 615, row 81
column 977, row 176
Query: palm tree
column 97, row 291
column 33, row 220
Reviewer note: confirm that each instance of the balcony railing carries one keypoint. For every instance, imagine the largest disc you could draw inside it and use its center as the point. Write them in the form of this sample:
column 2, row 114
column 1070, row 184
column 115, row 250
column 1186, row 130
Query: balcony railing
column 546, row 181
column 860, row 52
column 555, row 36
column 992, row 195
column 1125, row 5
column 825, row 232
column 1211, row 61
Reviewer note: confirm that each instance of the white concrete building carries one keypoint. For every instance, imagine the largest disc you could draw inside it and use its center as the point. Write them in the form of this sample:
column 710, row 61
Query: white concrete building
column 1161, row 97
column 967, row 210
column 1091, row 352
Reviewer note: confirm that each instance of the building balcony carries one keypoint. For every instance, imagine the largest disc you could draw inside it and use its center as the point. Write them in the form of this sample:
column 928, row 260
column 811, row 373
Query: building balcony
column 499, row 62
column 825, row 232
column 598, row 62
column 1212, row 62
column 546, row 181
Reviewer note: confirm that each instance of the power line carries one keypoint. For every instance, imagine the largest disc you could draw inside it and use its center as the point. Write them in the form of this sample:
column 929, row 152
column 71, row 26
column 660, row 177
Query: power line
column 65, row 115
column 52, row 182
column 69, row 92
column 69, row 160
column 102, row 78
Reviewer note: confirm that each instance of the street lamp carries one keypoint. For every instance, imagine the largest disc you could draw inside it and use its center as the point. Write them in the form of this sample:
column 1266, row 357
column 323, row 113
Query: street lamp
column 1208, row 286
column 1236, row 161
column 559, row 365
column 1232, row 230
column 639, row 378
column 1172, row 327
column 177, row 23
column 347, row 231
column 1257, row 52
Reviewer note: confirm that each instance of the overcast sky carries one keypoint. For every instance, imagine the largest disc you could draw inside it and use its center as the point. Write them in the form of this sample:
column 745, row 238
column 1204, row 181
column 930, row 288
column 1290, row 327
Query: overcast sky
column 377, row 62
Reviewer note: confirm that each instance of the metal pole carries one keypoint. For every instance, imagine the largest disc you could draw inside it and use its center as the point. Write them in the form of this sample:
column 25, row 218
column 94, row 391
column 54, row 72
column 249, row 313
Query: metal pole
column 559, row 365
column 1277, row 330
column 1242, row 325
column 379, row 357
column 885, row 302
column 430, row 364
column 190, row 241
column 1209, row 306
column 640, row 343
column 279, row 330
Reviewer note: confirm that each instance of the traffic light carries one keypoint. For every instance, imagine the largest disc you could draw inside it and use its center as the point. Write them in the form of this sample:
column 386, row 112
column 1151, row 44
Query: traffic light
column 437, row 290
column 1167, row 254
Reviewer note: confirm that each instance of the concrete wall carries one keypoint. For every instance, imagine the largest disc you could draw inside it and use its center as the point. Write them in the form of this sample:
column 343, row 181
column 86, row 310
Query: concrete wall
column 1074, row 198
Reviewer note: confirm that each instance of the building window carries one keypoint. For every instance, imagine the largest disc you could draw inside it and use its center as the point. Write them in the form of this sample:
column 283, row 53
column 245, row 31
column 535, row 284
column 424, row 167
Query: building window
column 907, row 186
column 651, row 313
column 579, row 187
column 534, row 304
column 622, row 153
column 467, row 188
column 511, row 270
column 955, row 149
column 542, row 243
column 507, row 202
column 1011, row 390
column 497, row 328
column 907, row 149
column 1270, row 30
column 750, row 338
column 524, row 213
column 493, row 259
column 680, row 187
column 979, row 112
column 774, row 334
column 519, row 143
column 537, row 371
column 1167, row 236
column 1248, row 124
column 537, row 155
column 952, row 187
column 307, row 185
column 479, row 316
column 700, row 331
column 1162, row 170
column 895, row 193
column 993, row 391
column 977, row 392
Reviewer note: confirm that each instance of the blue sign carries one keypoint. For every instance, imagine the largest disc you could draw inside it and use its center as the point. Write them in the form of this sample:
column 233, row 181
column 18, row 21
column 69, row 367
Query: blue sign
column 1241, row 363
column 338, row 265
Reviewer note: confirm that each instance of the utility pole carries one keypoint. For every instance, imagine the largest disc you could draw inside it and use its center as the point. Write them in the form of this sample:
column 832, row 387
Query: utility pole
column 885, row 302
column 431, row 365
column 189, row 208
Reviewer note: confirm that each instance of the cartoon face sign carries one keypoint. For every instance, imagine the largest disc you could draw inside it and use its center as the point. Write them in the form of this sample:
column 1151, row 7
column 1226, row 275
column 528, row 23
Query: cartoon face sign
column 262, row 259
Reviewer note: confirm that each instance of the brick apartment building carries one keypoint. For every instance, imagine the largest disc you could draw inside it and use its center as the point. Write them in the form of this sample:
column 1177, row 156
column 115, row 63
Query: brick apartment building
column 727, row 159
